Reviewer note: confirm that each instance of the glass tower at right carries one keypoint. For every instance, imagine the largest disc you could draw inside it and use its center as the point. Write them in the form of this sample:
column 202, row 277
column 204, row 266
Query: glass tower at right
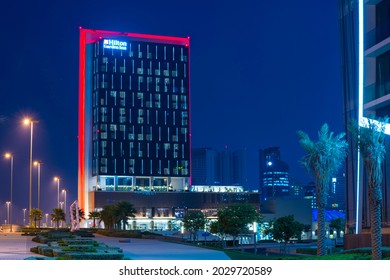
column 365, row 64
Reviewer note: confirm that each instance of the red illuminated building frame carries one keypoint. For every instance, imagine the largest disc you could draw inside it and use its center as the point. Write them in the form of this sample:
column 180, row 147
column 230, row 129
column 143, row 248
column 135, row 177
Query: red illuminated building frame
column 88, row 36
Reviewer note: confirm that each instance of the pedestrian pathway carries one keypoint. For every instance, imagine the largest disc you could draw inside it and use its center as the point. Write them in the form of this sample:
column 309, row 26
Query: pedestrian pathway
column 151, row 249
column 14, row 246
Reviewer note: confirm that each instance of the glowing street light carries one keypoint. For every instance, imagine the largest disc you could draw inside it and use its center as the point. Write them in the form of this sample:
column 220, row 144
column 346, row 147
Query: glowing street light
column 38, row 164
column 9, row 155
column 28, row 121
column 57, row 179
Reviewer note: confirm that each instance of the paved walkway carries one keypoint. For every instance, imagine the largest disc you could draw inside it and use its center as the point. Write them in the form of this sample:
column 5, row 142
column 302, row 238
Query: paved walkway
column 14, row 246
column 150, row 249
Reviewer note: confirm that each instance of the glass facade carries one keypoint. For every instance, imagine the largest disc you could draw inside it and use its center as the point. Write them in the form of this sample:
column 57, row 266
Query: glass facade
column 274, row 174
column 140, row 110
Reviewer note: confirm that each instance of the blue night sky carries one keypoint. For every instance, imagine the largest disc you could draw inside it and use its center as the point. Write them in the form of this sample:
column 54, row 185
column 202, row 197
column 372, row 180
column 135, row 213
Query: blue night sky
column 260, row 71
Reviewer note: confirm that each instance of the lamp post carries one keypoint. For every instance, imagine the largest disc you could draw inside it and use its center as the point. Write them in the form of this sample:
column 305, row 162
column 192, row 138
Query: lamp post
column 8, row 203
column 28, row 121
column 38, row 163
column 9, row 155
column 57, row 179
column 61, row 204
column 64, row 192
column 24, row 216
column 254, row 236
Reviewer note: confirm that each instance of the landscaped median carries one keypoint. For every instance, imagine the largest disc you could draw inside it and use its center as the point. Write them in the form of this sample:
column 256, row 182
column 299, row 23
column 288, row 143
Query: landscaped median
column 68, row 246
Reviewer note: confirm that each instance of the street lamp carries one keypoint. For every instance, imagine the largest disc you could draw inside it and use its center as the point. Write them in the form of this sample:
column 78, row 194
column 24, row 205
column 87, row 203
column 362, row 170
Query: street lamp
column 57, row 179
column 254, row 236
column 28, row 121
column 61, row 203
column 9, row 155
column 38, row 164
column 64, row 192
column 24, row 216
column 8, row 203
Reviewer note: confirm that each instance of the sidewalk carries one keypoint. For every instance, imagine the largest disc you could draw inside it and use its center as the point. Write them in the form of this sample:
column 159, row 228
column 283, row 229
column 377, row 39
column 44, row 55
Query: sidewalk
column 151, row 249
column 14, row 246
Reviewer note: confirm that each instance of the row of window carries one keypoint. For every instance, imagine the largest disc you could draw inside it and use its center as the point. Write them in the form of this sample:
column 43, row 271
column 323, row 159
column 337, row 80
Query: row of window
column 147, row 135
column 139, row 100
column 140, row 83
column 140, row 117
column 131, row 66
column 138, row 149
column 141, row 167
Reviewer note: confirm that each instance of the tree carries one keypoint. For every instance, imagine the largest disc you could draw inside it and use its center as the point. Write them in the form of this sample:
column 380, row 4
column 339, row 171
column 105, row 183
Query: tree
column 81, row 214
column 285, row 228
column 107, row 215
column 36, row 215
column 234, row 219
column 122, row 211
column 370, row 138
column 58, row 216
column 94, row 215
column 337, row 224
column 194, row 221
column 322, row 160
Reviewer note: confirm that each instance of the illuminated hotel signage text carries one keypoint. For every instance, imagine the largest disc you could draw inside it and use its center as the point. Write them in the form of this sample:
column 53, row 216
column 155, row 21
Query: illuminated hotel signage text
column 114, row 44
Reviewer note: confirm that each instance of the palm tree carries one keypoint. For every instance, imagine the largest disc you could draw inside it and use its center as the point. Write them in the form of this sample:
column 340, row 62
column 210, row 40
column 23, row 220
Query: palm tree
column 124, row 210
column 107, row 215
column 371, row 143
column 36, row 215
column 94, row 215
column 81, row 214
column 322, row 160
column 58, row 216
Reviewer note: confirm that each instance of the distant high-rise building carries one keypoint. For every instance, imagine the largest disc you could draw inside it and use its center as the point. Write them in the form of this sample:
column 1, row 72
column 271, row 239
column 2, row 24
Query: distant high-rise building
column 239, row 176
column 211, row 167
column 310, row 193
column 337, row 193
column 204, row 166
column 296, row 189
column 134, row 122
column 274, row 174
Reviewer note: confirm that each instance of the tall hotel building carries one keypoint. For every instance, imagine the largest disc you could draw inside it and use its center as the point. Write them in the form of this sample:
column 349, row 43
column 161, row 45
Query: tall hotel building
column 365, row 61
column 134, row 118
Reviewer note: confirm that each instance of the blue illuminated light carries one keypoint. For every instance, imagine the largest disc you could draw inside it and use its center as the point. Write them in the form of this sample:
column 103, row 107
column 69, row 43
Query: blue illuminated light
column 114, row 44
column 360, row 108
column 269, row 163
